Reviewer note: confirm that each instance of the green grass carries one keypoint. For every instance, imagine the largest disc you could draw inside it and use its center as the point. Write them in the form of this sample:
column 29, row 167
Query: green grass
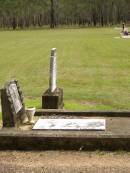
column 93, row 66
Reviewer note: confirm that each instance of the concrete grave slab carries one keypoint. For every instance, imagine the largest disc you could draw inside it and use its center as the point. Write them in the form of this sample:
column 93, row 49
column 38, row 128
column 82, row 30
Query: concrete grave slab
column 125, row 36
column 115, row 137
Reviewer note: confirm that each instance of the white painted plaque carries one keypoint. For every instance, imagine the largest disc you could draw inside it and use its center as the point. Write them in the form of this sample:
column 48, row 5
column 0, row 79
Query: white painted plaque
column 70, row 124
column 15, row 97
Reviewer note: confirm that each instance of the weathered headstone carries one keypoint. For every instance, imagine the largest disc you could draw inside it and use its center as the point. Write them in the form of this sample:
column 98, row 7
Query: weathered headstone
column 53, row 97
column 13, row 108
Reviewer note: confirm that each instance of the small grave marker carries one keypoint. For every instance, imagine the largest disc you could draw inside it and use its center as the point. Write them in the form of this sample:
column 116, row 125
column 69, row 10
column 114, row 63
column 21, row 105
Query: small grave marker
column 12, row 104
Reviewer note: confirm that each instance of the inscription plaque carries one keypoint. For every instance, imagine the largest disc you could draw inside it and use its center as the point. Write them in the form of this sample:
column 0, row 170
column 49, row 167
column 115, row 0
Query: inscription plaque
column 70, row 124
column 15, row 97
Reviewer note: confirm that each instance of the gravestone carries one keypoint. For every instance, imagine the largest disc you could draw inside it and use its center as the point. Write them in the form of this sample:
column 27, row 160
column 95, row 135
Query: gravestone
column 13, row 108
column 53, row 97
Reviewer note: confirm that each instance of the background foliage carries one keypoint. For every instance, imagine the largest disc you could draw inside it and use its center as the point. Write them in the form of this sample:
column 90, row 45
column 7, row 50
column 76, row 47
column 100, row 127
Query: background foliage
column 37, row 13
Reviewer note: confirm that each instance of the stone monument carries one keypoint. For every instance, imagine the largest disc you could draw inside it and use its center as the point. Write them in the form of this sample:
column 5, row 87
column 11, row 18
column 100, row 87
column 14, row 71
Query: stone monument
column 53, row 97
column 13, row 109
column 53, row 70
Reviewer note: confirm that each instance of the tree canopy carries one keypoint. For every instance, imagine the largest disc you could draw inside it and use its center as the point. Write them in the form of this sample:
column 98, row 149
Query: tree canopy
column 37, row 13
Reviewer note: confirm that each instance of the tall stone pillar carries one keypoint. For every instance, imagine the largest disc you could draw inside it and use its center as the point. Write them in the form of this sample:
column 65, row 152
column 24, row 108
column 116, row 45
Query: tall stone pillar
column 53, row 70
column 53, row 97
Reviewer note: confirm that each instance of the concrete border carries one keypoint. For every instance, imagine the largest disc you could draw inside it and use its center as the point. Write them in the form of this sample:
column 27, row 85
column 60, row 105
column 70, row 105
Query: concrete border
column 14, row 139
column 57, row 140
column 61, row 112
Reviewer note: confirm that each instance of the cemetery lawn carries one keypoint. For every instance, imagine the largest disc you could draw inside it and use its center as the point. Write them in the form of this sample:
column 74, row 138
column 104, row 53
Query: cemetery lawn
column 93, row 66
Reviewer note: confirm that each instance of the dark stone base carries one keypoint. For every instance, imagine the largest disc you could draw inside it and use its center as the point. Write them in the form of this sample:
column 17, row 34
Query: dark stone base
column 53, row 100
column 62, row 140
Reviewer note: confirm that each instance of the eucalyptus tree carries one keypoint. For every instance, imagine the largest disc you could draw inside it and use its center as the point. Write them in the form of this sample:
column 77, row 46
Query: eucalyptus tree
column 37, row 13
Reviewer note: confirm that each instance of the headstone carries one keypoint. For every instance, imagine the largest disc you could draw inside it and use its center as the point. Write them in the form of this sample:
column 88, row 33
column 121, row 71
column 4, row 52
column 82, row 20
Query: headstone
column 53, row 97
column 70, row 124
column 13, row 108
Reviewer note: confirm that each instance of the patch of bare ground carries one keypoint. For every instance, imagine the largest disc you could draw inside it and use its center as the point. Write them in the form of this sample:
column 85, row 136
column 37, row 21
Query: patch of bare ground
column 91, row 103
column 87, row 103
column 95, row 103
column 83, row 102
column 63, row 162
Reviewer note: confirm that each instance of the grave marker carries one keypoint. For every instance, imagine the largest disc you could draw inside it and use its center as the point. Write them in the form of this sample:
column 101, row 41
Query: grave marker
column 53, row 97
column 13, row 108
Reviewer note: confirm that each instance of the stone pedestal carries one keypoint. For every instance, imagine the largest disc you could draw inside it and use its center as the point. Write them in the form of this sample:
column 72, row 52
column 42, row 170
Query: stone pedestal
column 53, row 100
column 7, row 115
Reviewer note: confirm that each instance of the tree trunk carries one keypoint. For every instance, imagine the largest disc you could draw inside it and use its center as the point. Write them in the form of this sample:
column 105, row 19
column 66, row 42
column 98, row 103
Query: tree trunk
column 14, row 23
column 52, row 24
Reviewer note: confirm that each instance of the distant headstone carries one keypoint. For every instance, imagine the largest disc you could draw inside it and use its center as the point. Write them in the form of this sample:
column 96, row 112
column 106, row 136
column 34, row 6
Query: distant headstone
column 53, row 97
column 12, row 104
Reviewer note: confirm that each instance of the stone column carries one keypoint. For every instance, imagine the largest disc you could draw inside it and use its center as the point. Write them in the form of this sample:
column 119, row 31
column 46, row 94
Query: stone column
column 53, row 70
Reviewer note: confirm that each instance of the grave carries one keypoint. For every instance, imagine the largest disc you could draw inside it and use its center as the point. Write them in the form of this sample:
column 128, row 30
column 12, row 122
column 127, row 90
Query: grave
column 56, row 128
column 60, row 129
column 12, row 103
column 53, row 97
column 114, row 135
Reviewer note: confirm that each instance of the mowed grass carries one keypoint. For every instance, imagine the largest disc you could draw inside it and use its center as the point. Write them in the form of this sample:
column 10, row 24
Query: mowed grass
column 93, row 66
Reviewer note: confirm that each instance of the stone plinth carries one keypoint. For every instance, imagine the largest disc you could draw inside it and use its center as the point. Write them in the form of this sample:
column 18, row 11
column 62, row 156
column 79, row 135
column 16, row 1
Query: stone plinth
column 53, row 100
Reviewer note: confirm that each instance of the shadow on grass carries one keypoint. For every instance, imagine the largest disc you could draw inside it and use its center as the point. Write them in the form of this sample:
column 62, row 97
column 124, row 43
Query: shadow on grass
column 73, row 105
